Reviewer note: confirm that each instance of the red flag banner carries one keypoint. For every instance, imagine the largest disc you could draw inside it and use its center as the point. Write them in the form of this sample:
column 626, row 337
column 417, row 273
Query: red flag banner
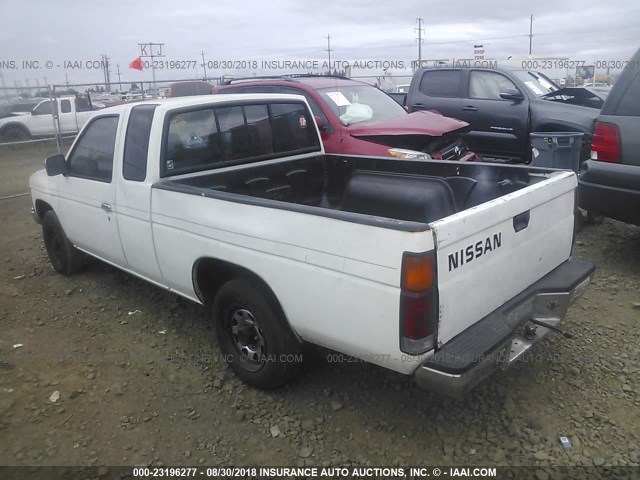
column 136, row 64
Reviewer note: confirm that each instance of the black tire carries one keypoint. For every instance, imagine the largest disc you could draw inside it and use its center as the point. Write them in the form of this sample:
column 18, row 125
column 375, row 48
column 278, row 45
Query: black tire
column 254, row 337
column 65, row 258
column 15, row 133
column 594, row 218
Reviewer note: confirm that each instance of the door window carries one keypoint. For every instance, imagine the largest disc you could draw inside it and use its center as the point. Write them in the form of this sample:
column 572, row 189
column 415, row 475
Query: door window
column 488, row 85
column 441, row 83
column 43, row 108
column 92, row 156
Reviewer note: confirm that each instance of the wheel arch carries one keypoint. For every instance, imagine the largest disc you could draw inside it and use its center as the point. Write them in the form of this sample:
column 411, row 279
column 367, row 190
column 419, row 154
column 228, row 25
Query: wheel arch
column 42, row 207
column 209, row 274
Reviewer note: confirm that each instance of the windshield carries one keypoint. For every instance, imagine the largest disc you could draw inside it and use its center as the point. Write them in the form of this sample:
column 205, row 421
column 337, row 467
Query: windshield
column 360, row 104
column 536, row 82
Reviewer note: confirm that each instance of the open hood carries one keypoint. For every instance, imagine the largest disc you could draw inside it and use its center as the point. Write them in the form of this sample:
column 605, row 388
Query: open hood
column 593, row 97
column 423, row 122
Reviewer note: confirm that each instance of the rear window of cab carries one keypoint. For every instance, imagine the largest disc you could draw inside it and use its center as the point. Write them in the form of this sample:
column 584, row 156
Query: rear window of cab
column 210, row 137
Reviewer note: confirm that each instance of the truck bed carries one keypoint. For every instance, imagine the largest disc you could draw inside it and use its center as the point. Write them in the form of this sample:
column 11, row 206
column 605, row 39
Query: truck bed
column 398, row 194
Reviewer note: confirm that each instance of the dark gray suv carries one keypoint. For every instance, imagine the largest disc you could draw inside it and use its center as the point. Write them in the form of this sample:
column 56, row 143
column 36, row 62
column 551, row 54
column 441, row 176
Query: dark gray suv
column 610, row 181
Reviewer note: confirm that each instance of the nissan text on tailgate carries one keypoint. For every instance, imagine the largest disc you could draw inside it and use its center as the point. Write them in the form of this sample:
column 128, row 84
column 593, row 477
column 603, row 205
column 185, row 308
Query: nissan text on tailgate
column 442, row 270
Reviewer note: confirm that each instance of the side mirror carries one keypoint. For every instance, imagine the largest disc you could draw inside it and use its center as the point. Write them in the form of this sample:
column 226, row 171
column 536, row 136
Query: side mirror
column 320, row 121
column 56, row 165
column 512, row 94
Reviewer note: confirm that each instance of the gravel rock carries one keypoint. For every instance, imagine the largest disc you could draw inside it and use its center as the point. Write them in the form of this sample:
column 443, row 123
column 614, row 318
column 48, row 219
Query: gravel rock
column 305, row 452
column 336, row 405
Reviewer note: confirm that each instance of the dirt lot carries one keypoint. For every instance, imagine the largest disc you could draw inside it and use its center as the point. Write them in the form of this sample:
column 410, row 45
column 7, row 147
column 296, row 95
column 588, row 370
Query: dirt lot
column 139, row 381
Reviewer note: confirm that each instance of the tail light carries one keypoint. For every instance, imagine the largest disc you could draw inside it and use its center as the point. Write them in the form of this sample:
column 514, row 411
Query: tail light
column 418, row 303
column 605, row 145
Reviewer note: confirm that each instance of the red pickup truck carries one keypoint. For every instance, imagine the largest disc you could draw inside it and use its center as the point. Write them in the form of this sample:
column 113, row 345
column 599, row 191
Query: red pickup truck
column 356, row 118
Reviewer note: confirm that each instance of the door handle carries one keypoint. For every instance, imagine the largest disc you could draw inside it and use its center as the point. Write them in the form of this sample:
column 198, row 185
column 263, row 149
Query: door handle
column 470, row 108
column 418, row 105
column 106, row 207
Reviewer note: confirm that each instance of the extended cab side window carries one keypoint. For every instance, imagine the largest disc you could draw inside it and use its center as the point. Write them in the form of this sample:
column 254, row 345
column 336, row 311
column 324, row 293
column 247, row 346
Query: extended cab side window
column 488, row 85
column 293, row 128
column 136, row 144
column 441, row 83
column 65, row 106
column 92, row 156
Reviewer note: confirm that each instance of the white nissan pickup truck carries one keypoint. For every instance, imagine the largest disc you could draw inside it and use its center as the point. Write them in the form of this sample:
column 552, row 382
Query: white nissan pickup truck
column 440, row 270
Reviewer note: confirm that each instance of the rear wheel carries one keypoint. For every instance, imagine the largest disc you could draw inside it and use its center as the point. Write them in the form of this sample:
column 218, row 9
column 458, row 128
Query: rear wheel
column 65, row 258
column 254, row 337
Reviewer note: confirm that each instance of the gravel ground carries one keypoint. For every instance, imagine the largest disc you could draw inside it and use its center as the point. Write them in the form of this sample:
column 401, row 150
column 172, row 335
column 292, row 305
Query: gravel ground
column 113, row 371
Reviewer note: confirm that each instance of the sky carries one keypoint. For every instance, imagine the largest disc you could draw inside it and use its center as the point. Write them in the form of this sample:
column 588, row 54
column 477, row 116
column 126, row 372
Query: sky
column 70, row 33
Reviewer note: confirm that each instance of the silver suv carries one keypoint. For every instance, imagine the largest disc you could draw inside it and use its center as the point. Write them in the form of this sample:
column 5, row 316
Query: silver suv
column 610, row 180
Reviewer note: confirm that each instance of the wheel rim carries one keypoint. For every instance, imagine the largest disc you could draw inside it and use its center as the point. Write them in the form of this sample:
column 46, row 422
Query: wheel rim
column 247, row 338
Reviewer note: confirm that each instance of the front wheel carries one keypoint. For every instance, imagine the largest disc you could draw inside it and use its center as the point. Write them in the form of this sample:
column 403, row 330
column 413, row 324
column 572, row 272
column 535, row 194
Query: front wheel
column 65, row 258
column 14, row 133
column 254, row 337
column 594, row 218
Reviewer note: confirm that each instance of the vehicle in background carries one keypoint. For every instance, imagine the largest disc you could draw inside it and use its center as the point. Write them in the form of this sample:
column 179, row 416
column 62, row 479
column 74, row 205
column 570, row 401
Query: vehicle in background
column 502, row 107
column 592, row 97
column 595, row 84
column 357, row 118
column 444, row 271
column 404, row 88
column 186, row 89
column 610, row 180
column 73, row 113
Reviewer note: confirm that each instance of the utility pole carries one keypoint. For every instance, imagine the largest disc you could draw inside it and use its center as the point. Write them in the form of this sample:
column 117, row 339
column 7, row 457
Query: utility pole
column 419, row 30
column 329, row 51
column 5, row 92
column 107, row 72
column 119, row 82
column 530, row 32
column 204, row 66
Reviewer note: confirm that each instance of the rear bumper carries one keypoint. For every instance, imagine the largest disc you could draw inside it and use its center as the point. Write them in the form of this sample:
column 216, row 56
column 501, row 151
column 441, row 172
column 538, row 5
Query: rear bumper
column 497, row 341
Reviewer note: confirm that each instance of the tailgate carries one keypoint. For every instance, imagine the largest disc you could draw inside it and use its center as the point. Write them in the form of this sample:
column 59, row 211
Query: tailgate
column 488, row 254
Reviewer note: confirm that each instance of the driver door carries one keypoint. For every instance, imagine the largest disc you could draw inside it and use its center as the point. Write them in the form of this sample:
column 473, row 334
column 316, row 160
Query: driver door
column 87, row 193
